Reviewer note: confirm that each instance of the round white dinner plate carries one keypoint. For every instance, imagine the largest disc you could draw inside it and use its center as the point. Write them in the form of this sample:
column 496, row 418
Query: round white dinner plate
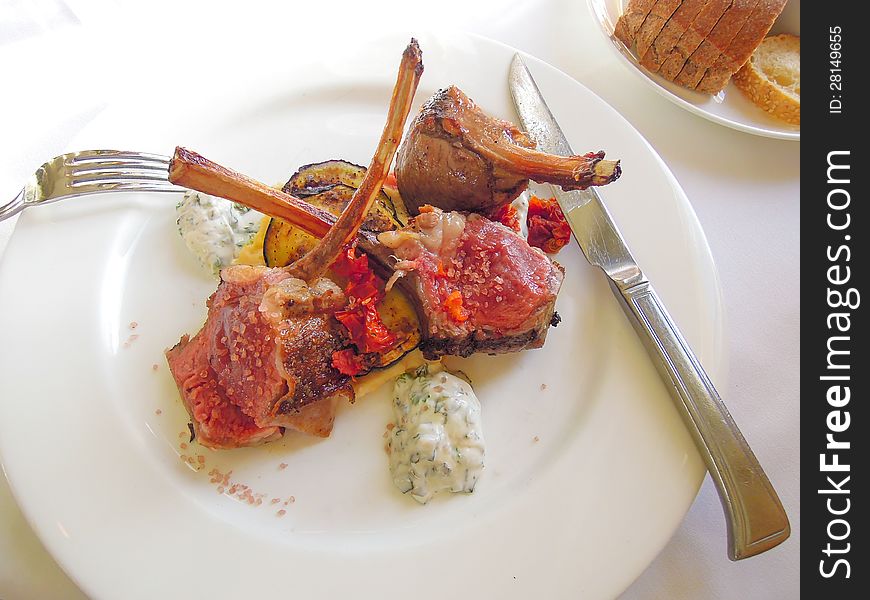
column 588, row 467
column 730, row 107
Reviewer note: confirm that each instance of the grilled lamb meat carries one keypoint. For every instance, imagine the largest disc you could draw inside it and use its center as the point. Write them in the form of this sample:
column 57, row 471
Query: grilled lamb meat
column 263, row 359
column 457, row 157
column 478, row 285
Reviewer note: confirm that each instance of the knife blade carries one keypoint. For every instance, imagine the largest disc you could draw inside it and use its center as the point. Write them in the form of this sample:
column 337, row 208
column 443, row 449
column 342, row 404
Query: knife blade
column 754, row 514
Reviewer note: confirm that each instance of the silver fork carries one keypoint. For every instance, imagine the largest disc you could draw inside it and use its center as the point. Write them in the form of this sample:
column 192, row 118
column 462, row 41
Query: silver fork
column 92, row 172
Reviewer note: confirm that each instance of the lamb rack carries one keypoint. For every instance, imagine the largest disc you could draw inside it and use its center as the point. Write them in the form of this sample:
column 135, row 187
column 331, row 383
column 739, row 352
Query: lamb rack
column 263, row 361
column 476, row 285
column 457, row 157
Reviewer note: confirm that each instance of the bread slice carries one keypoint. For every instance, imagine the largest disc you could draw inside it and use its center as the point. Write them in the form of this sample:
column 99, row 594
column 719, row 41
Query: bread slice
column 772, row 77
column 656, row 19
column 693, row 36
column 631, row 19
column 719, row 39
column 680, row 20
column 741, row 48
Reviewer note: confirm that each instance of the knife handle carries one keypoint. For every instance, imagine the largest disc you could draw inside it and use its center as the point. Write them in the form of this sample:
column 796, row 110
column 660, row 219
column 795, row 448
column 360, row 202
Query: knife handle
column 754, row 514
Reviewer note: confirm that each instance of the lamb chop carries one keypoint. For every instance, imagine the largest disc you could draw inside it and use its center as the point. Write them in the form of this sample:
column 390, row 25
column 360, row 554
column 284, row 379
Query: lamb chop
column 457, row 157
column 263, row 359
column 477, row 285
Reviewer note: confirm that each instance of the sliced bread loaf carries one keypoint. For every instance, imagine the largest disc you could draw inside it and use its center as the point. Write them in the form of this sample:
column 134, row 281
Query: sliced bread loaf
column 742, row 46
column 692, row 37
column 670, row 33
column 725, row 30
column 772, row 77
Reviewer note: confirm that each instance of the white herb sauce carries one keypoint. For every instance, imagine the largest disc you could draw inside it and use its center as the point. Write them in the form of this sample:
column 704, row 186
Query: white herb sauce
column 215, row 229
column 437, row 443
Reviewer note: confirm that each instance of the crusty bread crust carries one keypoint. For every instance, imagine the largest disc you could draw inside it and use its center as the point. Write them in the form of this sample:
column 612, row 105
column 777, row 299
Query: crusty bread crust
column 664, row 43
column 725, row 30
column 753, row 79
column 742, row 47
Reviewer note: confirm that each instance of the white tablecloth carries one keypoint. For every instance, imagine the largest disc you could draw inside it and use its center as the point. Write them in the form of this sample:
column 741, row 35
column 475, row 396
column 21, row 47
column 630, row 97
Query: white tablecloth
column 745, row 190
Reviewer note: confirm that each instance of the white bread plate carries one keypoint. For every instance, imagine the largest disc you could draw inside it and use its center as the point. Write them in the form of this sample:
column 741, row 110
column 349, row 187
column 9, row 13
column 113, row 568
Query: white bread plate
column 730, row 107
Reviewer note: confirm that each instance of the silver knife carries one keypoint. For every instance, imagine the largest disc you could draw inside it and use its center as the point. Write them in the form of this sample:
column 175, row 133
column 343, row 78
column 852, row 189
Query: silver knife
column 755, row 517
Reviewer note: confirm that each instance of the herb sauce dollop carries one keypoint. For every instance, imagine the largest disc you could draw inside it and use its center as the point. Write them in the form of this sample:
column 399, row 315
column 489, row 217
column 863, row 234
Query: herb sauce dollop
column 437, row 443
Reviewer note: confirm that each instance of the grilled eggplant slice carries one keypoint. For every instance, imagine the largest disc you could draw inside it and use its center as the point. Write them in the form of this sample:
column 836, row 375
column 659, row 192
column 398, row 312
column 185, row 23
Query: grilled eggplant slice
column 334, row 199
column 399, row 316
column 316, row 177
column 400, row 213
column 285, row 243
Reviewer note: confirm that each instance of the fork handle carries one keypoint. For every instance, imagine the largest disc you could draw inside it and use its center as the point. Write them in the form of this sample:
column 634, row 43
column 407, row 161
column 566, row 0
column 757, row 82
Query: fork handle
column 13, row 207
column 754, row 514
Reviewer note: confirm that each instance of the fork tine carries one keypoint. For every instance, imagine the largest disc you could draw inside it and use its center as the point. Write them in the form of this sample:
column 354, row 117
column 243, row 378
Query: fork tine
column 126, row 186
column 117, row 176
column 101, row 155
column 112, row 165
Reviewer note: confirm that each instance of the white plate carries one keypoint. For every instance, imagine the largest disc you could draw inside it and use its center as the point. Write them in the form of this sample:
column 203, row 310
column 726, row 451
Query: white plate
column 585, row 480
column 730, row 107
